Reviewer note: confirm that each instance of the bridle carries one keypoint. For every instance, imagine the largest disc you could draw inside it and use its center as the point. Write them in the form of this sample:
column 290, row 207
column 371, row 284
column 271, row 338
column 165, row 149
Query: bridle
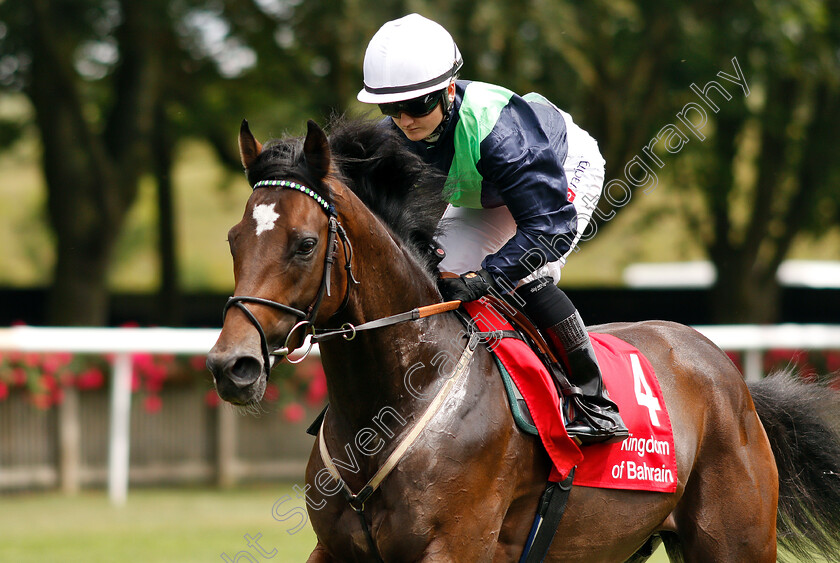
column 306, row 324
column 307, row 317
column 348, row 332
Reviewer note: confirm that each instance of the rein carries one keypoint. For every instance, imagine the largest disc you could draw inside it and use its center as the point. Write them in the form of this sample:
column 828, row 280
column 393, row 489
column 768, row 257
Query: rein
column 348, row 331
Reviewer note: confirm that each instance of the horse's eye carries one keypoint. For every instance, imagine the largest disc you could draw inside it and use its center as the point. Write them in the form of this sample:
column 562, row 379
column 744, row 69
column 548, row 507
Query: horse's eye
column 307, row 246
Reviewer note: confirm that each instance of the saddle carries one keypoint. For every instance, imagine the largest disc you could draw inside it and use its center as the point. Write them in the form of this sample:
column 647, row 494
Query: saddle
column 526, row 330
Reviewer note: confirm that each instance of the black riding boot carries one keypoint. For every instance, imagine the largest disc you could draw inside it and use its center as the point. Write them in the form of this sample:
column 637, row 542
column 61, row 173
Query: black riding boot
column 595, row 416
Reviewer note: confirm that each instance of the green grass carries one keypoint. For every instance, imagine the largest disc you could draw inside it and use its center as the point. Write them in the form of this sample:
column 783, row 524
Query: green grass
column 173, row 525
column 180, row 525
column 156, row 526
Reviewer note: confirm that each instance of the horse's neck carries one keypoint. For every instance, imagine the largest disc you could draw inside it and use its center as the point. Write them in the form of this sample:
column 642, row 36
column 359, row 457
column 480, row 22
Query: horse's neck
column 390, row 279
column 374, row 370
column 395, row 369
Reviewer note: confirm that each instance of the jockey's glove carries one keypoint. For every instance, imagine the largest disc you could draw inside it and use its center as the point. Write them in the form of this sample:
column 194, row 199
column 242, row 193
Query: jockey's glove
column 466, row 287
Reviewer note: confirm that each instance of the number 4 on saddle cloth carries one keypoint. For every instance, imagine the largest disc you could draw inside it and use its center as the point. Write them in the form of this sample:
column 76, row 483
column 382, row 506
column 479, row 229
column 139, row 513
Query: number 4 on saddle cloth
column 644, row 461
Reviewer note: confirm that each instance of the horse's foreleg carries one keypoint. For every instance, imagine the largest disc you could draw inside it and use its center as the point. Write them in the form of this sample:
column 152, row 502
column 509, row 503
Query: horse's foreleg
column 320, row 555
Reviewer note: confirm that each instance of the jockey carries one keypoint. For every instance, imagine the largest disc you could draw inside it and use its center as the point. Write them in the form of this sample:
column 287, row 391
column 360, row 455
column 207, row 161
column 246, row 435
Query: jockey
column 523, row 183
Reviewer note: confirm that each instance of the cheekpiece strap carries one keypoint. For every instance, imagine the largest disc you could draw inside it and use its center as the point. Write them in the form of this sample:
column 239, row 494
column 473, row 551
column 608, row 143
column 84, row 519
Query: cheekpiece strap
column 328, row 207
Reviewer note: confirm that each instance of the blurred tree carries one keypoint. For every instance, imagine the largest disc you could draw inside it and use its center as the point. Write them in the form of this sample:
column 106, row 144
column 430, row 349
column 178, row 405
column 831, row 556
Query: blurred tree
column 94, row 141
column 117, row 84
column 630, row 71
column 769, row 172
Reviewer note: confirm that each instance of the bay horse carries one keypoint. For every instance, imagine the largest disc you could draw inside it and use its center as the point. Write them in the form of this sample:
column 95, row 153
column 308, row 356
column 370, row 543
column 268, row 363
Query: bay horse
column 335, row 236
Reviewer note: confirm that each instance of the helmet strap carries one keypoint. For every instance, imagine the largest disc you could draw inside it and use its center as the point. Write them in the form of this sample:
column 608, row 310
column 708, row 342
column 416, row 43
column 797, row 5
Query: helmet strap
column 447, row 106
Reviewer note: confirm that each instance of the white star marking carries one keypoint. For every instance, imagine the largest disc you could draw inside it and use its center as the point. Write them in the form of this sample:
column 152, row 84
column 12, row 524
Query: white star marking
column 265, row 216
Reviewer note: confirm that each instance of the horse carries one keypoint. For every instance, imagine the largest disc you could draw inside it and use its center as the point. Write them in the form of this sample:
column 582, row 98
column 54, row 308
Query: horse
column 335, row 239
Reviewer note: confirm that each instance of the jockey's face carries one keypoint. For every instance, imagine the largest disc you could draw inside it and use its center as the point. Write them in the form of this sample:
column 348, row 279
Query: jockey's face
column 418, row 128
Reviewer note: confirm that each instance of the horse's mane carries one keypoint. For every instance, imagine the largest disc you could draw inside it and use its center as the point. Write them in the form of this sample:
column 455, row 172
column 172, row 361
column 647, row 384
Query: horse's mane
column 379, row 167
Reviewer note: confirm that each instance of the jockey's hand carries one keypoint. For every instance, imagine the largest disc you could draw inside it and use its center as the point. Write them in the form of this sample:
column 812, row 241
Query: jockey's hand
column 466, row 287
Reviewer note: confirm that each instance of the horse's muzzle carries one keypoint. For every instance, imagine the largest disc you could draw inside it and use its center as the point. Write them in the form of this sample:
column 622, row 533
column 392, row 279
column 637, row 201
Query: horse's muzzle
column 238, row 377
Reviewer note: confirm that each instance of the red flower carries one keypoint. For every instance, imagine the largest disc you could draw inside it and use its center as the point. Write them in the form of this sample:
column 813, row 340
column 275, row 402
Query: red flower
column 198, row 363
column 166, row 360
column 152, row 403
column 90, row 379
column 153, row 384
column 317, row 388
column 40, row 400
column 4, row 390
column 19, row 376
column 142, row 362
column 782, row 359
column 57, row 396
column 272, row 393
column 66, row 378
column 293, row 413
column 49, row 365
column 211, row 398
column 31, row 360
column 53, row 362
column 832, row 361
column 156, row 372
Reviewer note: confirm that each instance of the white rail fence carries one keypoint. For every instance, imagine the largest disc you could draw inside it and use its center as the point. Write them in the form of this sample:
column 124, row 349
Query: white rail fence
column 121, row 343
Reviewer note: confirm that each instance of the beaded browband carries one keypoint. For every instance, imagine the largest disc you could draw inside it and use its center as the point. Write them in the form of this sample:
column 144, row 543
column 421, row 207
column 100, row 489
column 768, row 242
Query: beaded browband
column 328, row 207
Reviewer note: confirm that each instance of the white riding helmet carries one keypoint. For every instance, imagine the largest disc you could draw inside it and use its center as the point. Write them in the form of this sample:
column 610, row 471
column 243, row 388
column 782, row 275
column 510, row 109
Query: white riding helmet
column 407, row 58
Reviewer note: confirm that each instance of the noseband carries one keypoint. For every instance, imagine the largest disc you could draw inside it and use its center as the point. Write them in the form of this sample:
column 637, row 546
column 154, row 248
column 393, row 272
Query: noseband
column 306, row 317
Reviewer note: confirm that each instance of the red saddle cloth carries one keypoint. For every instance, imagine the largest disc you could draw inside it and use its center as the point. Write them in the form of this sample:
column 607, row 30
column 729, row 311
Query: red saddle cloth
column 644, row 461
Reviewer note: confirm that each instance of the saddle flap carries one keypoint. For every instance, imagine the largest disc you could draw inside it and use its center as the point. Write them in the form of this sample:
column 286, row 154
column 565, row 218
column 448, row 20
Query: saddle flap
column 524, row 325
column 644, row 461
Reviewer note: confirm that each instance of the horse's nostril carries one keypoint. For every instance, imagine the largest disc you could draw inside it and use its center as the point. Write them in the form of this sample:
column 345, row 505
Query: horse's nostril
column 214, row 364
column 246, row 370
column 241, row 371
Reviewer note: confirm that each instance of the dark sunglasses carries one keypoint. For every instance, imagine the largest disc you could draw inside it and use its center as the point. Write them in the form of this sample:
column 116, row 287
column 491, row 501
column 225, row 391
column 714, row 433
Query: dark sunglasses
column 415, row 107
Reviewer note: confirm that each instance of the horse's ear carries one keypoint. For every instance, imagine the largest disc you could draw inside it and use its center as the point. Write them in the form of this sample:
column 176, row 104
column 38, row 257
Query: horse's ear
column 316, row 150
column 249, row 147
